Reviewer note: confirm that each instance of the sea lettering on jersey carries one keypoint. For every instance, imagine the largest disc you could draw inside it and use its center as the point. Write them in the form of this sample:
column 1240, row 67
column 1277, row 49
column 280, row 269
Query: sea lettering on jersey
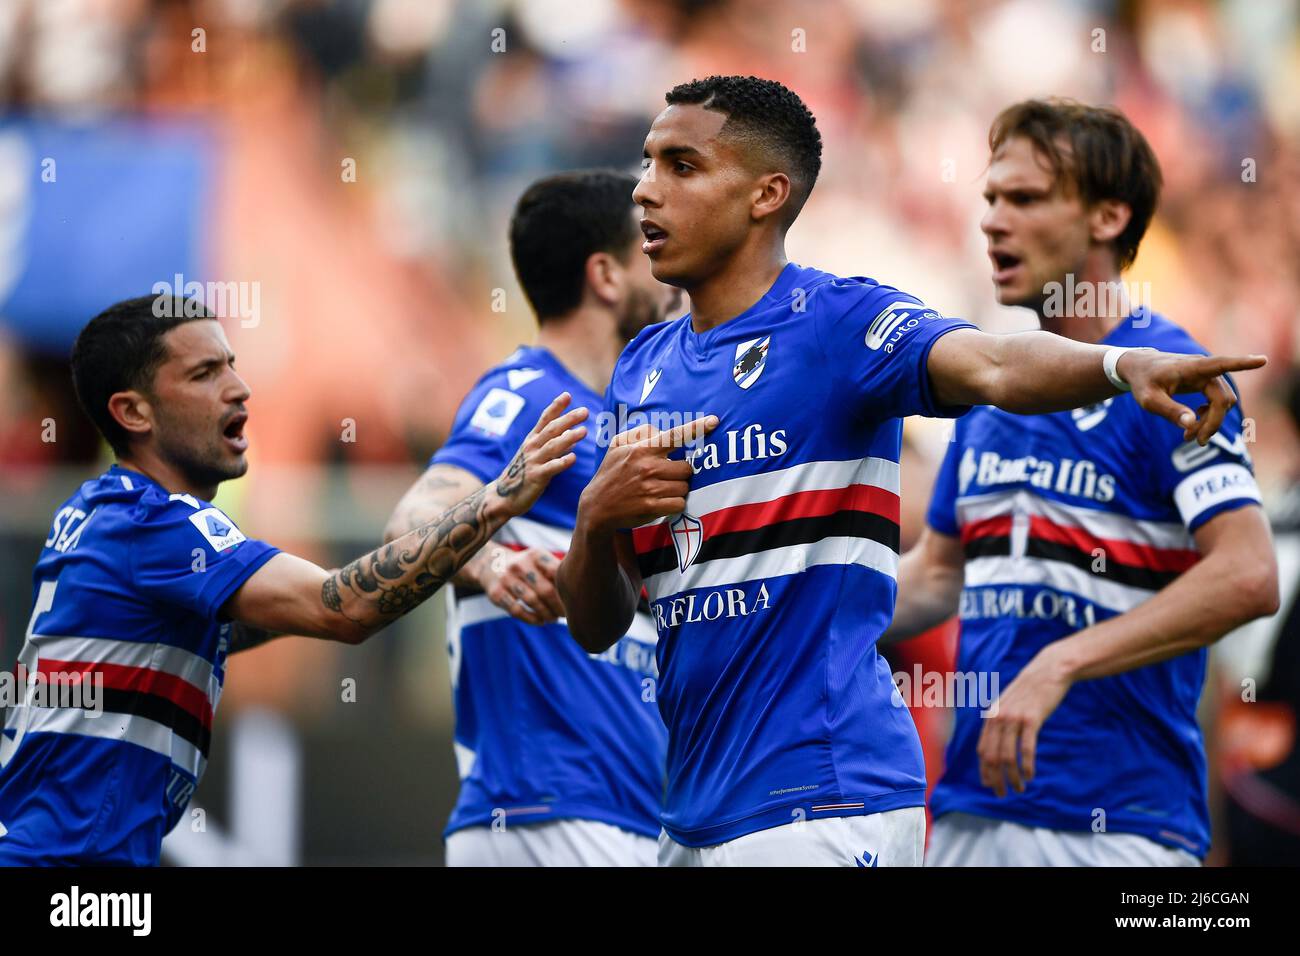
column 65, row 532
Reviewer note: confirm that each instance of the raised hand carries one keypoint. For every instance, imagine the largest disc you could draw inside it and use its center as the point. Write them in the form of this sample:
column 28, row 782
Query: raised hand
column 546, row 451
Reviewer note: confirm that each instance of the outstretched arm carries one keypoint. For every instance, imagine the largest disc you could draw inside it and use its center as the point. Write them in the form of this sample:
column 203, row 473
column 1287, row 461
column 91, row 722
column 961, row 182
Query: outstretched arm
column 1032, row 373
column 290, row 594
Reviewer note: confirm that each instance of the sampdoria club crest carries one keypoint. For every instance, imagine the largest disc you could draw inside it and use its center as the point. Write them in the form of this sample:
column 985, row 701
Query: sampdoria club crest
column 751, row 358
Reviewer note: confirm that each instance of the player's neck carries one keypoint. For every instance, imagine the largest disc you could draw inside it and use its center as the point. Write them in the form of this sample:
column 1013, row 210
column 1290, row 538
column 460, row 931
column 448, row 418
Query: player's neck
column 734, row 288
column 170, row 478
column 1086, row 307
column 585, row 343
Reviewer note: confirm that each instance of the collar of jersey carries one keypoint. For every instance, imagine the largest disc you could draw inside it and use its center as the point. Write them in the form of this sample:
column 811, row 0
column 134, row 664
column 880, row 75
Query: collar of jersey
column 139, row 479
column 537, row 353
column 699, row 343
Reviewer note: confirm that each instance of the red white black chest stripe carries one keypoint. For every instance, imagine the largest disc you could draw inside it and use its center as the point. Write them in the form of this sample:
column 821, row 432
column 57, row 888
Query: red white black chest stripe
column 1015, row 537
column 157, row 697
column 777, row 522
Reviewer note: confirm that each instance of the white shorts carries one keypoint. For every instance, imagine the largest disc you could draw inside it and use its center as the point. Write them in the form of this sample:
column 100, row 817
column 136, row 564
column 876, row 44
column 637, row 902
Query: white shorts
column 891, row 838
column 554, row 843
column 962, row 839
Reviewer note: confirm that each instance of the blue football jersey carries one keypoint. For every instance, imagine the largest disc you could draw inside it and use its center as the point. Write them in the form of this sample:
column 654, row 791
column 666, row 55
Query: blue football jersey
column 544, row 730
column 1066, row 520
column 127, row 595
column 770, row 590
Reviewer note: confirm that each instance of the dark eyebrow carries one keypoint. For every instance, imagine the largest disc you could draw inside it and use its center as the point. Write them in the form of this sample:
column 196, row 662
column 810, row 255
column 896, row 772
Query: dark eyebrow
column 204, row 363
column 1025, row 188
column 1016, row 188
column 674, row 152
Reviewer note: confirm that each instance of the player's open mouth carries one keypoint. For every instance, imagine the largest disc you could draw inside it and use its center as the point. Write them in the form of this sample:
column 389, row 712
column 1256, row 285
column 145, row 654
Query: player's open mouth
column 1004, row 265
column 233, row 433
column 655, row 237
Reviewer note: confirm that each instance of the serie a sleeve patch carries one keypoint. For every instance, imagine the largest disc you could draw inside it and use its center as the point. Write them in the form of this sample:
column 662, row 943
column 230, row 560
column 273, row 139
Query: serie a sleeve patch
column 218, row 530
column 497, row 411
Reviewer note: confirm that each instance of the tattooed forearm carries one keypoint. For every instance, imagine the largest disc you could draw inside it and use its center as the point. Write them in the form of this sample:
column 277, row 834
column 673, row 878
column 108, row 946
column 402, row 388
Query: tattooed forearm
column 329, row 593
column 388, row 582
column 438, row 489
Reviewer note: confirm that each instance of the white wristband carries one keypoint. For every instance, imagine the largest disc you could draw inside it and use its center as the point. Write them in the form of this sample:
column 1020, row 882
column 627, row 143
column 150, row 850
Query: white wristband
column 1110, row 361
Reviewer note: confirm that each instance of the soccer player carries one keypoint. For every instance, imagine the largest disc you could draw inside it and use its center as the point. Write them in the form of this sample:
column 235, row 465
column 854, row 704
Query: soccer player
column 143, row 588
column 769, row 547
column 561, row 754
column 1094, row 554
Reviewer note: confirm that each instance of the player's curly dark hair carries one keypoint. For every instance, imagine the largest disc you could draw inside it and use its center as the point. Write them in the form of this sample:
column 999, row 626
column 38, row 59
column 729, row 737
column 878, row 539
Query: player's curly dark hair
column 767, row 114
column 558, row 223
column 1100, row 152
column 120, row 349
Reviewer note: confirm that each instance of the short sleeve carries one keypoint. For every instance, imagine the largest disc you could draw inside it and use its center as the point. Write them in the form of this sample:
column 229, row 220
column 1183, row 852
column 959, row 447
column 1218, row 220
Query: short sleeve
column 942, row 513
column 878, row 341
column 1201, row 481
column 190, row 554
column 490, row 425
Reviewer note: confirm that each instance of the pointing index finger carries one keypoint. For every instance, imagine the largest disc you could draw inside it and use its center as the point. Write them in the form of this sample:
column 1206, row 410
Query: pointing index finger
column 1218, row 364
column 679, row 435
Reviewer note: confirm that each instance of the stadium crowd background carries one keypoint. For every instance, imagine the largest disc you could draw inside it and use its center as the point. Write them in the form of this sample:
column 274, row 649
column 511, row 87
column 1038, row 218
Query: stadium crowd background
column 355, row 162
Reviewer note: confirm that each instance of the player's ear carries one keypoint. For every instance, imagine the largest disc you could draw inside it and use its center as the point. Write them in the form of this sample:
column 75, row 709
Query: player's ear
column 771, row 194
column 132, row 411
column 605, row 277
column 1107, row 219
